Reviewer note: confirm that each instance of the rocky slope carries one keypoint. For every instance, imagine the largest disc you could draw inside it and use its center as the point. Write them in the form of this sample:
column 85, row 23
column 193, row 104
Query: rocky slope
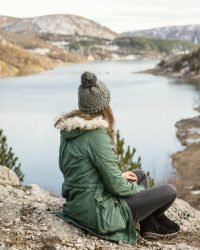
column 17, row 61
column 186, row 32
column 187, row 66
column 59, row 24
column 95, row 48
column 6, row 20
column 187, row 161
column 134, row 45
column 27, row 222
column 26, row 54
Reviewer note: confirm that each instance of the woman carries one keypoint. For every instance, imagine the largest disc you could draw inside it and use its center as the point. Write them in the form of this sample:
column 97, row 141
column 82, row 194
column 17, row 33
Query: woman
column 99, row 197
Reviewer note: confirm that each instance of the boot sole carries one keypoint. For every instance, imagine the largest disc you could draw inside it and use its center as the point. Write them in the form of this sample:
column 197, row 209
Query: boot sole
column 155, row 236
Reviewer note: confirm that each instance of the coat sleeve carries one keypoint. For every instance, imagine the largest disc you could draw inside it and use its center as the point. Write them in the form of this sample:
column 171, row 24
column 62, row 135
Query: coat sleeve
column 102, row 155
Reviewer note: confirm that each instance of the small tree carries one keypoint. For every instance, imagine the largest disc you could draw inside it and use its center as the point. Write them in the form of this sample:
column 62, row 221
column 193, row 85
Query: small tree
column 125, row 157
column 8, row 158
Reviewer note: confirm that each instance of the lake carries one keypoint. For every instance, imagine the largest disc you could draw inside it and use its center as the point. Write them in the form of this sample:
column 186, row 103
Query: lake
column 146, row 107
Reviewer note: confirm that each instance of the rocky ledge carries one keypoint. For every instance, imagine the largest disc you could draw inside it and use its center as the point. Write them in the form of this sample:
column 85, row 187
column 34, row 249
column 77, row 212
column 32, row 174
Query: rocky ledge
column 185, row 66
column 27, row 222
column 187, row 161
column 183, row 74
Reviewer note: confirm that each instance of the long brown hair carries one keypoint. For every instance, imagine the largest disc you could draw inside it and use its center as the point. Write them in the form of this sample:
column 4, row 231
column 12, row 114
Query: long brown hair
column 107, row 114
column 109, row 117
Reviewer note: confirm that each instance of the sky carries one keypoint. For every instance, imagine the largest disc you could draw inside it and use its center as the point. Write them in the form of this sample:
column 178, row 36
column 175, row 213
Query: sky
column 119, row 15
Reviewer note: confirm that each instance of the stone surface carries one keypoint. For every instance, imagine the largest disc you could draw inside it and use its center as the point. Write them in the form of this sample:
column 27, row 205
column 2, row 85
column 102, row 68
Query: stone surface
column 8, row 176
column 188, row 130
column 27, row 222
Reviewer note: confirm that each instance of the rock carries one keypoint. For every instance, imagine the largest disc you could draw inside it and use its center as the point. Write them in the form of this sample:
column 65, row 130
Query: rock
column 185, row 215
column 188, row 130
column 2, row 246
column 27, row 222
column 197, row 109
column 187, row 161
column 8, row 176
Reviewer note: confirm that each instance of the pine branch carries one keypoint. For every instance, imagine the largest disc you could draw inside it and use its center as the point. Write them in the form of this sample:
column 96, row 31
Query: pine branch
column 125, row 157
column 8, row 158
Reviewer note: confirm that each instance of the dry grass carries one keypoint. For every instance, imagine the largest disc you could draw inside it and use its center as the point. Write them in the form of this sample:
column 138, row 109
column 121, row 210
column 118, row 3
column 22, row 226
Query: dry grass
column 192, row 239
column 15, row 60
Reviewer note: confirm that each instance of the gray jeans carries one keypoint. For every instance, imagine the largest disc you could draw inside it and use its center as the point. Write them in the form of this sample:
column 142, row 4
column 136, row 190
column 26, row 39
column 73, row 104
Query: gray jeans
column 155, row 200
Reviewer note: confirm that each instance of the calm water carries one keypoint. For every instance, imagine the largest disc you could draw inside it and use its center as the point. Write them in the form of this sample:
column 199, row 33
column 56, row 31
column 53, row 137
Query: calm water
column 146, row 108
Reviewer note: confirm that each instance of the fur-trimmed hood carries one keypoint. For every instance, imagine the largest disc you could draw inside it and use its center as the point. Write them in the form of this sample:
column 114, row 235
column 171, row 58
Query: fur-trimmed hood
column 75, row 126
column 78, row 122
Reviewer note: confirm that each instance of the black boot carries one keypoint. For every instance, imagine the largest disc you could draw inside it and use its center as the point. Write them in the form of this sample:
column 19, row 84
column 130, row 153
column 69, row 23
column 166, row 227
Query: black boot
column 166, row 222
column 151, row 229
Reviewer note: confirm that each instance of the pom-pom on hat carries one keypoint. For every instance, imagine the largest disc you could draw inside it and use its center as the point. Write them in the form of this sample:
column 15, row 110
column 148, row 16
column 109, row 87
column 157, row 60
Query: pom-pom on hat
column 93, row 95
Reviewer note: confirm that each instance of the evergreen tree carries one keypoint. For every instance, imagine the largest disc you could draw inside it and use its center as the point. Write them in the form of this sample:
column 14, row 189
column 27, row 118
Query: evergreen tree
column 125, row 157
column 8, row 158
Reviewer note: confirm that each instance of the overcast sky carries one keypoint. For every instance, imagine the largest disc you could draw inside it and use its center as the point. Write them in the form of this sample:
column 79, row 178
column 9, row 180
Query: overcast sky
column 119, row 15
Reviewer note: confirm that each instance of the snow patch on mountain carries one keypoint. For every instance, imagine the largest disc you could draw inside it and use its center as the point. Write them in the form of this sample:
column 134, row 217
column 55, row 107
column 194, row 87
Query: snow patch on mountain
column 186, row 32
column 60, row 24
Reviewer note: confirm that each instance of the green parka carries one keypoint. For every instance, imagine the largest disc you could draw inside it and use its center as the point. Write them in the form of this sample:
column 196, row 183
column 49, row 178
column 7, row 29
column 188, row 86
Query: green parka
column 93, row 184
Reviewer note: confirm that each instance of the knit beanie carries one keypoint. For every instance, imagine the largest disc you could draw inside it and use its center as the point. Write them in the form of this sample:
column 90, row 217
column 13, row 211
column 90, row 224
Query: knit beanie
column 93, row 95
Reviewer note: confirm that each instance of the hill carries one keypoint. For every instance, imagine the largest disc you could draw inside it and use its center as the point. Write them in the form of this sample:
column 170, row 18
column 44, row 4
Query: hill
column 17, row 61
column 67, row 38
column 119, row 48
column 185, row 32
column 6, row 20
column 82, row 36
column 134, row 44
column 58, row 24
column 38, row 46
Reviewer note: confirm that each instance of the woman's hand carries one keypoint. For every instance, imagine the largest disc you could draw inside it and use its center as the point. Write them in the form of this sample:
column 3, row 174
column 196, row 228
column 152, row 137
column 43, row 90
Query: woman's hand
column 129, row 176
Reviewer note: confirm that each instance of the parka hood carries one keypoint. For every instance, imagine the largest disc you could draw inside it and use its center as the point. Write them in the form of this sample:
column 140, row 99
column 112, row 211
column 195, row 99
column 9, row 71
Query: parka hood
column 76, row 126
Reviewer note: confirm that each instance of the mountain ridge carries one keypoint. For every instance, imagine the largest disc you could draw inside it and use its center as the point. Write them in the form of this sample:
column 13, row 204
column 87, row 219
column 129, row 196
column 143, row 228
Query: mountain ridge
column 71, row 38
column 190, row 32
column 6, row 19
column 65, row 24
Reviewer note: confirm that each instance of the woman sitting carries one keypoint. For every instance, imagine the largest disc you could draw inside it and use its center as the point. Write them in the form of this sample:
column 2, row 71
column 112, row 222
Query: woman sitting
column 99, row 197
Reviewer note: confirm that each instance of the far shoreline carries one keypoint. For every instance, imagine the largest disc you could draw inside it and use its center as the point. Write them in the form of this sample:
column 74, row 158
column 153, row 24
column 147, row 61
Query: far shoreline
column 61, row 63
column 158, row 72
